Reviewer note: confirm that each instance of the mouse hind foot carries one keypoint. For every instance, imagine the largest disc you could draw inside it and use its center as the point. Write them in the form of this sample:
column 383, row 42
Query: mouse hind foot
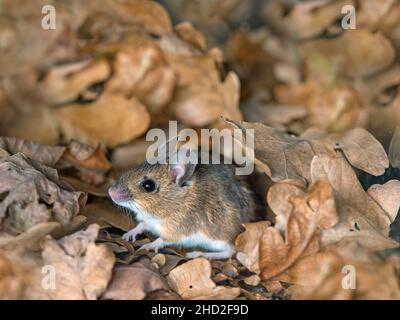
column 154, row 245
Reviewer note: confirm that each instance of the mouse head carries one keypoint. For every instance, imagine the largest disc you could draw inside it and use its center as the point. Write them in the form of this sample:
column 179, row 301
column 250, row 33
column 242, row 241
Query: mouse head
column 156, row 189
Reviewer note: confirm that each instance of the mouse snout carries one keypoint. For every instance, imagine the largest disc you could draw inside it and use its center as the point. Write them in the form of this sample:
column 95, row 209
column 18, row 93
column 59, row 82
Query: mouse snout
column 119, row 193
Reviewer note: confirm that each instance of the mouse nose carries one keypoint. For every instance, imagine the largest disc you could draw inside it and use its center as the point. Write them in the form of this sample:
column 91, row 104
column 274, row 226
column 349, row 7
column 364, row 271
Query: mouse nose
column 119, row 193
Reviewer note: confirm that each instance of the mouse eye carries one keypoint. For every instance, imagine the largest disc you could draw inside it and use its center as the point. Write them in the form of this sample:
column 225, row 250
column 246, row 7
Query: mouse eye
column 148, row 185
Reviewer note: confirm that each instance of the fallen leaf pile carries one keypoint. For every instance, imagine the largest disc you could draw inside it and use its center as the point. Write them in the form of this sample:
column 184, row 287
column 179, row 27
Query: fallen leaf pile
column 324, row 104
column 110, row 84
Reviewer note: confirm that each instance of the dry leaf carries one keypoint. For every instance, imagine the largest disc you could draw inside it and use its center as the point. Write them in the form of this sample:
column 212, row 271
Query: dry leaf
column 135, row 281
column 359, row 146
column 360, row 217
column 200, row 97
column 279, row 155
column 65, row 83
column 248, row 245
column 388, row 197
column 331, row 102
column 363, row 151
column 32, row 194
column 38, row 124
column 348, row 52
column 91, row 163
column 105, row 214
column 187, row 32
column 394, row 149
column 305, row 19
column 253, row 280
column 83, row 269
column 385, row 118
column 145, row 74
column 191, row 280
column 30, row 239
column 273, row 115
column 46, row 154
column 112, row 119
column 323, row 275
column 130, row 155
column 310, row 213
column 20, row 276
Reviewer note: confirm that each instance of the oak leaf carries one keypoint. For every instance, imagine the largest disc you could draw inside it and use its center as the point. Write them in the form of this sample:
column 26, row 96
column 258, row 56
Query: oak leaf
column 191, row 280
column 83, row 269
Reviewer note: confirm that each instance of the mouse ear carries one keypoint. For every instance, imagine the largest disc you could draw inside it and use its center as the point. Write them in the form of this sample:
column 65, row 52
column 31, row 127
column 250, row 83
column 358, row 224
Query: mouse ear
column 182, row 166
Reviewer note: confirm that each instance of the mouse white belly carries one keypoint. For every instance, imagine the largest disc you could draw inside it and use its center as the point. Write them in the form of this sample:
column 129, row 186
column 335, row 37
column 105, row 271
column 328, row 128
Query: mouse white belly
column 202, row 241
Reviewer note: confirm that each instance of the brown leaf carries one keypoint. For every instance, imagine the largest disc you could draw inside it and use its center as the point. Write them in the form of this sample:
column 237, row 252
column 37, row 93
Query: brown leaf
column 375, row 90
column 171, row 261
column 46, row 154
column 90, row 162
column 186, row 31
column 278, row 197
column 39, row 124
column 273, row 115
column 279, row 155
column 112, row 119
column 394, row 149
column 305, row 19
column 148, row 15
column 32, row 194
column 78, row 184
column 65, row 83
column 321, row 276
column 310, row 212
column 83, row 269
column 363, row 151
column 20, row 276
column 162, row 295
column 388, row 197
column 248, row 245
column 331, row 102
column 200, row 97
column 130, row 155
column 360, row 218
column 105, row 214
column 384, row 119
column 379, row 15
column 145, row 74
column 351, row 52
column 191, row 280
column 231, row 95
column 253, row 280
column 359, row 146
column 30, row 239
column 135, row 281
column 85, row 157
column 283, row 157
column 77, row 223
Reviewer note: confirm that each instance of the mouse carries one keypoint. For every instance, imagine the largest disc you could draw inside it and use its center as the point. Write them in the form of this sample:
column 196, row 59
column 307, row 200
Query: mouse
column 198, row 207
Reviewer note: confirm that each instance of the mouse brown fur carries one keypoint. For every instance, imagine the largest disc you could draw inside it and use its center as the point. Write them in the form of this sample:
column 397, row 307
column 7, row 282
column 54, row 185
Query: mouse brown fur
column 193, row 206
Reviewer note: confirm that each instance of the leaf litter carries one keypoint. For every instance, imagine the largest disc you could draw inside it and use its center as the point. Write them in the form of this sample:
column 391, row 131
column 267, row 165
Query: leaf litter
column 323, row 103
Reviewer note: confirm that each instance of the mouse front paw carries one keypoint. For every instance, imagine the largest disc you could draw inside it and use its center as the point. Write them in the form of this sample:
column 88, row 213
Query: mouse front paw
column 133, row 233
column 154, row 246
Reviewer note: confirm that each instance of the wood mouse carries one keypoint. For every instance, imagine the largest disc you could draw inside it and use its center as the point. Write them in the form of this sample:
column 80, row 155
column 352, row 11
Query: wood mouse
column 186, row 205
